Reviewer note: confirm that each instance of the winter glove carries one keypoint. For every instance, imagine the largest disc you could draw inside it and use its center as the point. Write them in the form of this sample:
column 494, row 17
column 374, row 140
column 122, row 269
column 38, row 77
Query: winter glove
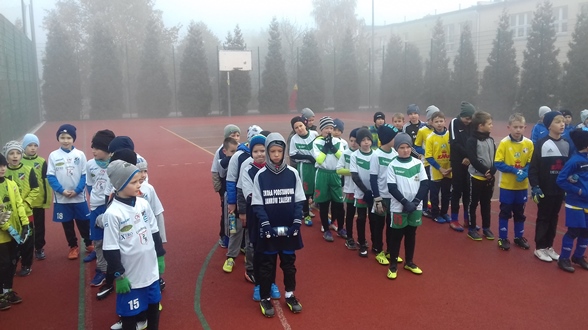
column 24, row 234
column 368, row 197
column 161, row 264
column 4, row 216
column 99, row 222
column 522, row 175
column 267, row 231
column 379, row 206
column 573, row 178
column 408, row 207
column 537, row 194
column 123, row 285
column 334, row 149
column 295, row 228
column 416, row 203
column 329, row 141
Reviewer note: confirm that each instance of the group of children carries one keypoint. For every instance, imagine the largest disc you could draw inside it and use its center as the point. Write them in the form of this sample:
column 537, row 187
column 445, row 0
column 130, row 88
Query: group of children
column 125, row 234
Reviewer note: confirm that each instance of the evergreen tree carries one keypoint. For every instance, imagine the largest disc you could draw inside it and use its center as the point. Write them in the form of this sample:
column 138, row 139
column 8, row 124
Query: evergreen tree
column 106, row 87
column 437, row 73
column 391, row 80
column 195, row 92
column 540, row 68
column 153, row 91
column 464, row 79
column 413, row 76
column 311, row 84
column 500, row 79
column 575, row 79
column 273, row 95
column 347, row 78
column 240, row 80
column 62, row 94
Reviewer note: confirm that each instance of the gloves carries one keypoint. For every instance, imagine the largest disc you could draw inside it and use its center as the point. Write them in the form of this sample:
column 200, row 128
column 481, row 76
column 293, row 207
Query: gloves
column 416, row 203
column 573, row 178
column 267, row 231
column 24, row 234
column 368, row 197
column 328, row 144
column 123, row 285
column 334, row 149
column 161, row 264
column 408, row 207
column 378, row 206
column 99, row 222
column 521, row 175
column 295, row 228
column 537, row 194
column 4, row 216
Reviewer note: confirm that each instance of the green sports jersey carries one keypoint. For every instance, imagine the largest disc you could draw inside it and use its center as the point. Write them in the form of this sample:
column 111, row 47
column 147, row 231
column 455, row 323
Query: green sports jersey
column 379, row 166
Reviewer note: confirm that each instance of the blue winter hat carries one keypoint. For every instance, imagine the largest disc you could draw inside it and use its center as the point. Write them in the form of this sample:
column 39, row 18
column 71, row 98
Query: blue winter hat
column 549, row 117
column 386, row 133
column 339, row 124
column 257, row 139
column 28, row 139
column 66, row 129
column 353, row 133
column 121, row 142
column 413, row 108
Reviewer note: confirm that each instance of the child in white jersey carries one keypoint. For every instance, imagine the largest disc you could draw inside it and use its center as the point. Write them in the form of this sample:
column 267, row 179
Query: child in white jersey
column 343, row 169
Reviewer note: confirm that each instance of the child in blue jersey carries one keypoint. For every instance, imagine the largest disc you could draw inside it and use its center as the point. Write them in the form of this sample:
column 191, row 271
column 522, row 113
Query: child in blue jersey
column 277, row 200
column 540, row 130
column 513, row 157
column 573, row 179
column 343, row 169
column 437, row 154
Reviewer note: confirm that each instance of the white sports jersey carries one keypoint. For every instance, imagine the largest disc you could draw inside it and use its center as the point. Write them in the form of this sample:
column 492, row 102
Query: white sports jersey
column 233, row 167
column 216, row 167
column 149, row 194
column 379, row 166
column 68, row 168
column 97, row 178
column 344, row 162
column 360, row 164
column 408, row 176
column 302, row 146
column 245, row 183
column 345, row 144
column 330, row 162
column 129, row 229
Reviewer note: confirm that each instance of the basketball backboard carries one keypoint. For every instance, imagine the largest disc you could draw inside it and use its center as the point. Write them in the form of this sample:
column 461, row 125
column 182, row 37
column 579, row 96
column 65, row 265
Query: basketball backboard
column 230, row 60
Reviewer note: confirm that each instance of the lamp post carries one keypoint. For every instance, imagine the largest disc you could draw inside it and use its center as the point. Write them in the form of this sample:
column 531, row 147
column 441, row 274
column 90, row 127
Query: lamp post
column 371, row 61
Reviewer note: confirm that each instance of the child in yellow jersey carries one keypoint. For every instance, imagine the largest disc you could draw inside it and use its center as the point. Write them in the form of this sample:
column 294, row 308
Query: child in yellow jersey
column 437, row 154
column 419, row 146
column 513, row 157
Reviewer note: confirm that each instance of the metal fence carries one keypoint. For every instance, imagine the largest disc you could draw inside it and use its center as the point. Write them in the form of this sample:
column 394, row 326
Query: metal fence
column 19, row 98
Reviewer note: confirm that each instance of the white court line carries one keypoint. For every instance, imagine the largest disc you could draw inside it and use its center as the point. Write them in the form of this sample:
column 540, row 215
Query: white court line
column 183, row 138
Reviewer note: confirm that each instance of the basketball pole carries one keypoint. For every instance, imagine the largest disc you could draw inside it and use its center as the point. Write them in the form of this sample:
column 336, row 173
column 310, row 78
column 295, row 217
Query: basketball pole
column 229, row 91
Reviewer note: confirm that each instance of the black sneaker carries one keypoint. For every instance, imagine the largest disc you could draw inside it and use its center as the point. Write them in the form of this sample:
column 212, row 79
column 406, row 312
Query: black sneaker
column 24, row 271
column 427, row 214
column 4, row 304
column 522, row 243
column 488, row 234
column 580, row 261
column 161, row 284
column 473, row 234
column 504, row 244
column 40, row 254
column 293, row 304
column 104, row 291
column 267, row 309
column 565, row 264
column 12, row 297
column 350, row 244
column 363, row 250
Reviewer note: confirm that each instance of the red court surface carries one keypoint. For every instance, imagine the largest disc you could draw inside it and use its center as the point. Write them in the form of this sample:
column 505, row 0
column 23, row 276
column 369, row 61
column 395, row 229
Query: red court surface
column 465, row 284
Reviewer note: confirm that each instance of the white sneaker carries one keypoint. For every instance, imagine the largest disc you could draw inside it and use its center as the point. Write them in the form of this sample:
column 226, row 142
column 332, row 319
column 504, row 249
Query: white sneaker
column 140, row 325
column 542, row 255
column 311, row 214
column 552, row 254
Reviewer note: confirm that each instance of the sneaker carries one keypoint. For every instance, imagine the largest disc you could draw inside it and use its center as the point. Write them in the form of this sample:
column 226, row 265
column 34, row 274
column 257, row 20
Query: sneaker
column 427, row 214
column 89, row 248
column 98, row 279
column 381, row 258
column 256, row 295
column 446, row 217
column 243, row 250
column 294, row 304
column 228, row 265
column 24, row 271
column 74, row 253
column 4, row 304
column 542, row 255
column 141, row 325
column 267, row 309
column 40, row 254
column 504, row 244
column 104, row 291
column 161, row 284
column 398, row 260
column 223, row 242
column 249, row 277
column 275, row 292
column 328, row 236
column 308, row 220
column 413, row 268
column 363, row 250
column 473, row 234
column 342, row 233
column 311, row 214
column 439, row 219
column 392, row 272
column 580, row 261
column 522, row 243
column 488, row 234
column 333, row 226
column 350, row 244
column 565, row 264
column 455, row 225
column 90, row 256
column 12, row 297
column 552, row 254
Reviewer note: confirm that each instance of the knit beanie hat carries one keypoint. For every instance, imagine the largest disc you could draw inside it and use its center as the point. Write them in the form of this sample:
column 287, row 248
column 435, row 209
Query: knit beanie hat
column 121, row 142
column 543, row 110
column 584, row 115
column 339, row 124
column 3, row 161
column 307, row 113
column 566, row 112
column 120, row 173
column 66, row 129
column 297, row 119
column 548, row 117
column 230, row 129
column 141, row 164
column 379, row 115
column 326, row 121
column 467, row 110
column 126, row 155
column 252, row 131
column 580, row 138
column 30, row 138
column 402, row 138
column 386, row 133
column 265, row 133
column 413, row 108
column 102, row 139
column 258, row 139
column 11, row 145
column 363, row 133
column 353, row 133
column 430, row 111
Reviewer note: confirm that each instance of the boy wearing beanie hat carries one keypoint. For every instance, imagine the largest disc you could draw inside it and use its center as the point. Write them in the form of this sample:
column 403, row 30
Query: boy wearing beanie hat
column 379, row 120
column 28, row 186
column 326, row 151
column 413, row 125
column 309, row 116
column 540, row 130
column 133, row 250
column 408, row 184
column 549, row 156
column 584, row 120
column 419, row 147
column 574, row 181
column 379, row 162
column 66, row 173
column 338, row 129
column 30, row 144
column 568, row 121
column 301, row 154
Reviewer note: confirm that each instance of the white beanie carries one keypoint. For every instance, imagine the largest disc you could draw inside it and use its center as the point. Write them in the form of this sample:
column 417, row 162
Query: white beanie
column 12, row 145
column 543, row 110
column 584, row 115
column 431, row 110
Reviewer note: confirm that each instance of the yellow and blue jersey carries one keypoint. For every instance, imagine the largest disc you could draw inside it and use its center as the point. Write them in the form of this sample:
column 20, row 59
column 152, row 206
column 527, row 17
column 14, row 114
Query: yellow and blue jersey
column 512, row 156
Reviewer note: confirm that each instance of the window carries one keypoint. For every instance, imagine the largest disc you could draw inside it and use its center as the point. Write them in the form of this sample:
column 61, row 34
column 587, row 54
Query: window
column 451, row 38
column 520, row 24
column 561, row 19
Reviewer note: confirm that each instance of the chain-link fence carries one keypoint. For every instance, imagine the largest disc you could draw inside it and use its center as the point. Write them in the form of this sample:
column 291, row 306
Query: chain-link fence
column 19, row 99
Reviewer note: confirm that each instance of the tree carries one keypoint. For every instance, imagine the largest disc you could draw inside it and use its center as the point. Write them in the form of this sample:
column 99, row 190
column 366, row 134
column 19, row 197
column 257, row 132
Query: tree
column 347, row 79
column 273, row 96
column 500, row 79
column 464, row 78
column 540, row 68
column 291, row 35
column 106, row 88
column 240, row 80
column 437, row 70
column 62, row 95
column 311, row 84
column 332, row 18
column 195, row 92
column 576, row 69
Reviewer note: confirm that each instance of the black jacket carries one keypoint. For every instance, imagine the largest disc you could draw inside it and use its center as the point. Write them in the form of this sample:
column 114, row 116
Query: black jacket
column 458, row 136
